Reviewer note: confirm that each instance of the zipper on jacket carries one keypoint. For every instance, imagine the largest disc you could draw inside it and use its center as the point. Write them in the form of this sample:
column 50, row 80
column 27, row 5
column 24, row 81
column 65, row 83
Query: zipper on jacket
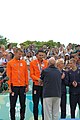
column 19, row 72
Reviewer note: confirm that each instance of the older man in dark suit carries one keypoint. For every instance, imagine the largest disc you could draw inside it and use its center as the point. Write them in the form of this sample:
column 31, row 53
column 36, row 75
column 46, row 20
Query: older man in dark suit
column 51, row 78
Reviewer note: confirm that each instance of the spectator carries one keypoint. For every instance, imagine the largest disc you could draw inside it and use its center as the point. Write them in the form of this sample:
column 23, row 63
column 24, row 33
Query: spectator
column 9, row 48
column 3, row 49
column 66, row 58
column 1, row 60
column 78, row 62
column 10, row 56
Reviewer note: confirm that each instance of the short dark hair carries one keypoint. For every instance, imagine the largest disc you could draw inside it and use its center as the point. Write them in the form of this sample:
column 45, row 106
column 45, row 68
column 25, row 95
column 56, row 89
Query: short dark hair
column 9, row 45
column 40, row 51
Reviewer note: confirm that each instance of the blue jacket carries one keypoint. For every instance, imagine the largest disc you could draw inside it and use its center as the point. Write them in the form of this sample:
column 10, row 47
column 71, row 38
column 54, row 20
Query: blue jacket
column 64, row 82
column 51, row 78
column 74, row 75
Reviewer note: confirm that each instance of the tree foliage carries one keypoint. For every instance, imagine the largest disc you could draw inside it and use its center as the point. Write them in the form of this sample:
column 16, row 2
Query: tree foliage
column 3, row 40
column 39, row 44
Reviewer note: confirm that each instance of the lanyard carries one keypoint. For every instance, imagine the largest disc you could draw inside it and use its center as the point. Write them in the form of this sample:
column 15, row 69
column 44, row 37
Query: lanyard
column 40, row 66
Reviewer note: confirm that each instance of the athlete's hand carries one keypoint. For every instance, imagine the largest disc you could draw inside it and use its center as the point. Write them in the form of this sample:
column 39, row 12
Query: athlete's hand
column 74, row 83
column 26, row 89
column 9, row 89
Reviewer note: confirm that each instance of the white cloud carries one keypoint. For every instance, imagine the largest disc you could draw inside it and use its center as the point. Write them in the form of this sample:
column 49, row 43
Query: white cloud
column 23, row 20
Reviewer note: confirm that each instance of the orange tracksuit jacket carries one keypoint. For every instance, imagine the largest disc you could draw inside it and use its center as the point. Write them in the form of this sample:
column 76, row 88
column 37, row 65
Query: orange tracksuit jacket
column 17, row 72
column 35, row 71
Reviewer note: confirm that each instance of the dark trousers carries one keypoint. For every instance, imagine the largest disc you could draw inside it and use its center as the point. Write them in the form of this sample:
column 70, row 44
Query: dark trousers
column 13, row 99
column 74, row 99
column 37, row 94
column 63, row 105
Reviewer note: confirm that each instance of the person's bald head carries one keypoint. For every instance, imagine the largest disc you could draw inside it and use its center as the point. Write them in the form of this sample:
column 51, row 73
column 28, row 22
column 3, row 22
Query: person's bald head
column 51, row 61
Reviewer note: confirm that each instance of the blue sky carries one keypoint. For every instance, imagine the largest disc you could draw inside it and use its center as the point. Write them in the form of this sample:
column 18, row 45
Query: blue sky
column 40, row 20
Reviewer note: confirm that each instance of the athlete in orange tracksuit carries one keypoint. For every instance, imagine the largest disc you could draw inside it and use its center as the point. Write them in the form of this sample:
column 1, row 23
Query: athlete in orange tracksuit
column 18, row 83
column 36, row 66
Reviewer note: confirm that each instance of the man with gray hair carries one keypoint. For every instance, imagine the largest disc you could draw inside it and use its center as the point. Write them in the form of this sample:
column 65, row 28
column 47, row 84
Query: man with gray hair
column 51, row 78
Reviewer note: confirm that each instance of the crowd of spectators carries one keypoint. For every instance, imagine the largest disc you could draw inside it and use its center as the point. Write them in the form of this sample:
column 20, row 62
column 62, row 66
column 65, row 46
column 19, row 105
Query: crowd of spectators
column 29, row 54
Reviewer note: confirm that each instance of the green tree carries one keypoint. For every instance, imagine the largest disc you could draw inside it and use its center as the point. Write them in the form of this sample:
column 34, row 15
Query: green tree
column 3, row 40
column 14, row 44
column 39, row 44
